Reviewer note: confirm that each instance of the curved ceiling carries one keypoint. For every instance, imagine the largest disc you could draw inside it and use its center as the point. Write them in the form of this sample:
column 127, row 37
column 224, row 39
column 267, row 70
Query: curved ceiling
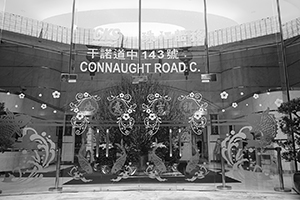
column 170, row 14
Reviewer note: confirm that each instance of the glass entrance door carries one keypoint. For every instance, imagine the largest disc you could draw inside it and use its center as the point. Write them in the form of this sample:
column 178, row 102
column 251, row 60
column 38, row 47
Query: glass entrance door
column 141, row 137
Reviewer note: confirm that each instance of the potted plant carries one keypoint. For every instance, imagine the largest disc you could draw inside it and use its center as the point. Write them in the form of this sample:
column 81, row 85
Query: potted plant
column 290, row 125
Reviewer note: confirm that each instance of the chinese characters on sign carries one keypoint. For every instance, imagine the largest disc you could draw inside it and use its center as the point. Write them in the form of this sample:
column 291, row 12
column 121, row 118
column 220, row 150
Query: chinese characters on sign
column 120, row 54
column 113, row 37
column 102, row 60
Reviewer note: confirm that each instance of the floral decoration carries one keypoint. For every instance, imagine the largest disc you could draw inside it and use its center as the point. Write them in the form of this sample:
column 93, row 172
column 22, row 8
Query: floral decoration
column 224, row 95
column 56, row 94
column 86, row 106
column 190, row 105
column 157, row 107
column 120, row 106
column 21, row 96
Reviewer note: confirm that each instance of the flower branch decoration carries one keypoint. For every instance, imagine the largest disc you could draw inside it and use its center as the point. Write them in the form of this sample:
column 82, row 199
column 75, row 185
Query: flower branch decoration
column 43, row 106
column 255, row 96
column 195, row 111
column 56, row 94
column 234, row 105
column 157, row 107
column 86, row 106
column 22, row 96
column 120, row 106
column 224, row 95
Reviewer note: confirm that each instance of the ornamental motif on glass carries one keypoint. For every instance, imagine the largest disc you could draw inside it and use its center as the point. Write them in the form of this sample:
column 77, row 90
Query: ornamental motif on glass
column 120, row 106
column 191, row 107
column 157, row 107
column 86, row 106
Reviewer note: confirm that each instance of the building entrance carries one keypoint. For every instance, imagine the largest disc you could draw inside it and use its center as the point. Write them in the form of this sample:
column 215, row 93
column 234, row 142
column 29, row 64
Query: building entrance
column 140, row 133
column 173, row 155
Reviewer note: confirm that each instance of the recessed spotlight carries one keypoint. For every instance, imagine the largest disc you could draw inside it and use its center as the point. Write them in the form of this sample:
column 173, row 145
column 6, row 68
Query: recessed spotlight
column 242, row 93
column 8, row 93
column 54, row 111
column 16, row 106
column 40, row 95
column 32, row 108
